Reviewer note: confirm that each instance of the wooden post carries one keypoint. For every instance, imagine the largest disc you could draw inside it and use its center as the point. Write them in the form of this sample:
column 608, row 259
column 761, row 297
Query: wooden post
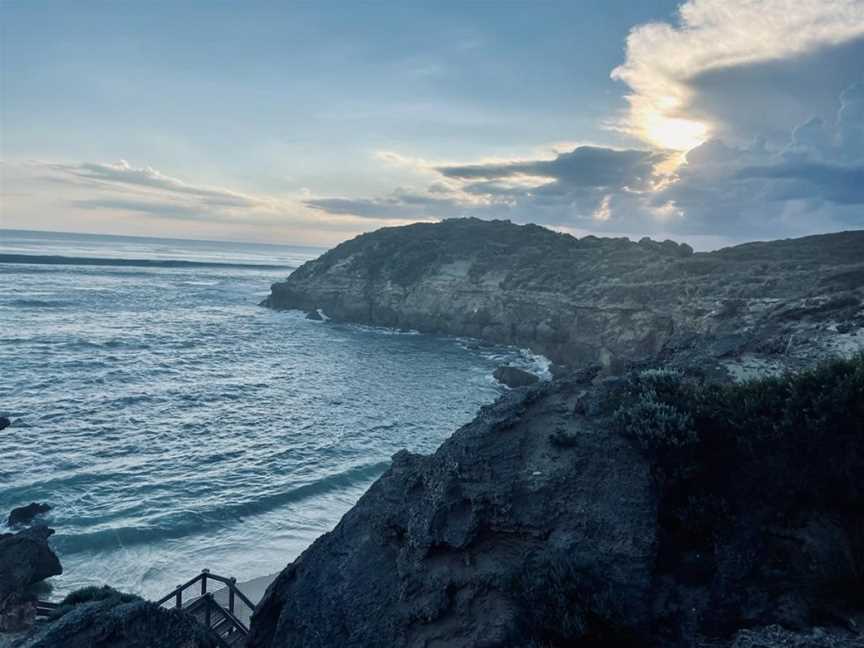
column 207, row 603
column 178, row 597
column 204, row 573
column 231, row 587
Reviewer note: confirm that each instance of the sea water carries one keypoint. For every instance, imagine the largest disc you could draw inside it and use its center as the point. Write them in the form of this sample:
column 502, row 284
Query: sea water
column 176, row 425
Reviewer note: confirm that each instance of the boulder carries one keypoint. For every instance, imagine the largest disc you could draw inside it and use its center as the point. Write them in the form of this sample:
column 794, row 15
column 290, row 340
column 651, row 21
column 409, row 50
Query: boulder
column 25, row 559
column 4, row 422
column 25, row 514
column 514, row 377
column 113, row 623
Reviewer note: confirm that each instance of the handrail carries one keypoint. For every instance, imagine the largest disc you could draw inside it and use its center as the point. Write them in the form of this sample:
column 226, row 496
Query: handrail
column 211, row 606
column 203, row 577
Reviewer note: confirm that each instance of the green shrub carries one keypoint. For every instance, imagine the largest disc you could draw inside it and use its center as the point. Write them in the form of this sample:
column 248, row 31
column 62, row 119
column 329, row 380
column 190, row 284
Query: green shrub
column 796, row 440
column 90, row 594
column 652, row 413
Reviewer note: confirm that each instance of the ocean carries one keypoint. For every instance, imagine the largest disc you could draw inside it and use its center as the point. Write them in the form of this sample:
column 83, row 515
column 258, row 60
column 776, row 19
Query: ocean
column 175, row 425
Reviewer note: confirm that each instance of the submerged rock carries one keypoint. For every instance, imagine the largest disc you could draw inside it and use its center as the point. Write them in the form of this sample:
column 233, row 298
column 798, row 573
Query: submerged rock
column 652, row 509
column 113, row 623
column 25, row 514
column 514, row 377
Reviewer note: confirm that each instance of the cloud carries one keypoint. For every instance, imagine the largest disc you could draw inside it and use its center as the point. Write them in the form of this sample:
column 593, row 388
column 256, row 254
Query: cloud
column 122, row 175
column 668, row 66
column 120, row 198
column 400, row 206
column 811, row 181
column 584, row 166
column 151, row 208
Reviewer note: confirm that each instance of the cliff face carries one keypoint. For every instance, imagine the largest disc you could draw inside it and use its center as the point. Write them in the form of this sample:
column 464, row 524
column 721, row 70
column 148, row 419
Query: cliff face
column 652, row 509
column 581, row 301
column 455, row 549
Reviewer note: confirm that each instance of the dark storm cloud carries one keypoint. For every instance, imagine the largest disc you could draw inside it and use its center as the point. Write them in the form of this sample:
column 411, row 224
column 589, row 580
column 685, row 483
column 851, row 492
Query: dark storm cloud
column 585, row 166
column 768, row 99
column 399, row 206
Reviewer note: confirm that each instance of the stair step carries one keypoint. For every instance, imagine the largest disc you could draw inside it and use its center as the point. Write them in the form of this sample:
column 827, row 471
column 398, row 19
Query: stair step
column 230, row 630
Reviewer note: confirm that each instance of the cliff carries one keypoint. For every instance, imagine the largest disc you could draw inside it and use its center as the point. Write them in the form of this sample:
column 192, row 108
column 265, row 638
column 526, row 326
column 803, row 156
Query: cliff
column 581, row 301
column 651, row 509
column 645, row 497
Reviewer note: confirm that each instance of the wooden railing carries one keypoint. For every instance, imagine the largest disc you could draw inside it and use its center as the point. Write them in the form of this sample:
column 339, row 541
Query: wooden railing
column 234, row 594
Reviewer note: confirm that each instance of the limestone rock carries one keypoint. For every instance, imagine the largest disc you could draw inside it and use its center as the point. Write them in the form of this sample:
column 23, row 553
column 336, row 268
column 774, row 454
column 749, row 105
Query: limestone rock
column 596, row 300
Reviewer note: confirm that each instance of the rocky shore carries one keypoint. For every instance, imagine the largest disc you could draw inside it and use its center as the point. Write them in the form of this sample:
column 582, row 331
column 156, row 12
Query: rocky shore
column 651, row 509
column 596, row 300
column 650, row 495
column 642, row 498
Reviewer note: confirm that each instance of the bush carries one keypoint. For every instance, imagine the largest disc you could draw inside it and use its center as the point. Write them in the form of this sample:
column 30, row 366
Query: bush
column 89, row 595
column 564, row 606
column 796, row 441
column 652, row 414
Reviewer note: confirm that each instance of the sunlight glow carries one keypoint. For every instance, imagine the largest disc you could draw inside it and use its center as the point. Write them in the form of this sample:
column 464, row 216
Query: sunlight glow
column 674, row 133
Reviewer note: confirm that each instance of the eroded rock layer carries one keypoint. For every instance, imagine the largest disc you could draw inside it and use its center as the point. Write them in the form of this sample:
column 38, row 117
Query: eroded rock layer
column 581, row 301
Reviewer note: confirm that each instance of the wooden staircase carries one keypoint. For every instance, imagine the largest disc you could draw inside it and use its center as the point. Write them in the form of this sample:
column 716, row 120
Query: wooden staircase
column 223, row 621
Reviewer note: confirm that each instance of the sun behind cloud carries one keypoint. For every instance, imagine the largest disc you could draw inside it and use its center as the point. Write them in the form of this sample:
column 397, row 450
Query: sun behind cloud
column 676, row 133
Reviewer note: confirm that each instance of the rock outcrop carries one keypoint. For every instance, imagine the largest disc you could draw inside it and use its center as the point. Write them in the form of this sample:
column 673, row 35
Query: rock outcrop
column 117, row 623
column 25, row 559
column 25, row 514
column 590, row 300
column 453, row 549
column 652, row 509
column 514, row 377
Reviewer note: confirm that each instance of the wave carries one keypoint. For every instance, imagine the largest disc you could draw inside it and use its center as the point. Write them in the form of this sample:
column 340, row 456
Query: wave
column 39, row 303
column 34, row 259
column 183, row 524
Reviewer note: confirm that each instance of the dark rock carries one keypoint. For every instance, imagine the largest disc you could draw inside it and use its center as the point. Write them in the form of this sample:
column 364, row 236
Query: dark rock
column 778, row 637
column 315, row 316
column 25, row 514
column 4, row 422
column 17, row 612
column 650, row 509
column 514, row 377
column 25, row 559
column 497, row 539
column 583, row 301
column 112, row 623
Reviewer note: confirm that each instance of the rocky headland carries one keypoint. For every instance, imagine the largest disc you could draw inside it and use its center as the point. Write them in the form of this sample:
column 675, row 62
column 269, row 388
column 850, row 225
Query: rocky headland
column 596, row 300
column 646, row 496
column 649, row 509
column 649, row 495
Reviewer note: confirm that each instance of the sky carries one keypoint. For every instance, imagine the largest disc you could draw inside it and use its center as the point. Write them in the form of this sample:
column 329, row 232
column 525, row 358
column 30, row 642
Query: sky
column 709, row 121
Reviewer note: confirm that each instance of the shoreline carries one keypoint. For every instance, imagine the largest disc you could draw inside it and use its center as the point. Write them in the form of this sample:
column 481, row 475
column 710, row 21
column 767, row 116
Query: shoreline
column 253, row 589
column 53, row 259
